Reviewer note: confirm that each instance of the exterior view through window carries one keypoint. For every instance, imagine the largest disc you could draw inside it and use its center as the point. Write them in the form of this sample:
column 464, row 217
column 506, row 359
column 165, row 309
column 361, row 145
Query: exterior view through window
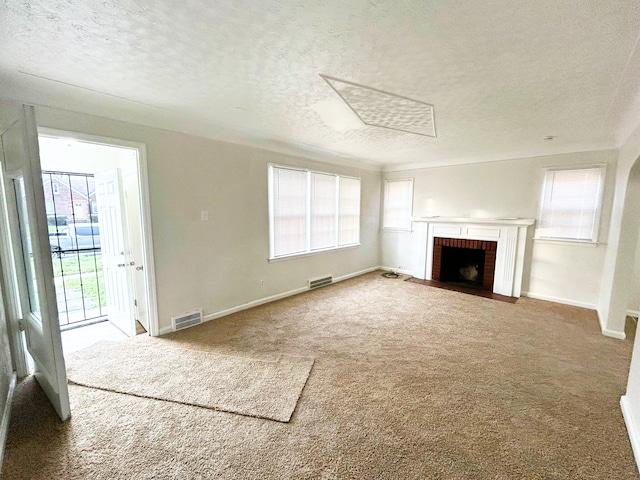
column 74, row 236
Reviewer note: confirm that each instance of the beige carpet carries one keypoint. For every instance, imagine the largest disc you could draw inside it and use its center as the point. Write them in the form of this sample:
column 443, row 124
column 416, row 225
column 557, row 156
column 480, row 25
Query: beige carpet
column 409, row 382
column 257, row 388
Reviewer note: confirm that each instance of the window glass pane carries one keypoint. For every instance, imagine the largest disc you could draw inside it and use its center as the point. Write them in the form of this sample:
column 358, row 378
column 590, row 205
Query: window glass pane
column 289, row 197
column 27, row 247
column 349, row 220
column 323, row 211
column 571, row 203
column 398, row 199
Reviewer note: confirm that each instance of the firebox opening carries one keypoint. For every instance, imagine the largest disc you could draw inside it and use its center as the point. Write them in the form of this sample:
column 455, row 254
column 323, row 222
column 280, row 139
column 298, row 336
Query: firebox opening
column 462, row 265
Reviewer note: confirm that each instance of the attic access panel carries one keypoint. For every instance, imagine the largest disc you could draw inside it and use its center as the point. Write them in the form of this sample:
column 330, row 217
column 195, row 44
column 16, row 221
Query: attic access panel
column 383, row 109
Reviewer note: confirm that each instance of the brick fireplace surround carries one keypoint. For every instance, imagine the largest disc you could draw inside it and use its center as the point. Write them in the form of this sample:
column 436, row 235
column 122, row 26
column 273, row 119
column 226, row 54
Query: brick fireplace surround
column 489, row 256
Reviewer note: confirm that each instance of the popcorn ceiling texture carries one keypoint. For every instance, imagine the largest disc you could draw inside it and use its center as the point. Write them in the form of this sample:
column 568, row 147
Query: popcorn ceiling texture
column 502, row 74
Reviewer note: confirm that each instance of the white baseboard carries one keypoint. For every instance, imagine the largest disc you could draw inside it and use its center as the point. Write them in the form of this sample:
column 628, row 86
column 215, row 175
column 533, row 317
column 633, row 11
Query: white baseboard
column 620, row 335
column 6, row 414
column 397, row 270
column 575, row 303
column 565, row 301
column 632, row 428
column 261, row 301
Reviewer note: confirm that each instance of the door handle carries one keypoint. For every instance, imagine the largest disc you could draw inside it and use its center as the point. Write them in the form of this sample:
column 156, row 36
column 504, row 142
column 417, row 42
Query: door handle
column 122, row 264
column 139, row 268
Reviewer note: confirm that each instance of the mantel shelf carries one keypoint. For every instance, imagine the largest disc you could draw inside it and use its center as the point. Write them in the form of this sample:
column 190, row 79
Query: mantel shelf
column 477, row 221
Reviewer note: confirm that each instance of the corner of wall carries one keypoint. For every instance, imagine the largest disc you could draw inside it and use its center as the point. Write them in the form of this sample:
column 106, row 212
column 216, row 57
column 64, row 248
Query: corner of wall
column 632, row 427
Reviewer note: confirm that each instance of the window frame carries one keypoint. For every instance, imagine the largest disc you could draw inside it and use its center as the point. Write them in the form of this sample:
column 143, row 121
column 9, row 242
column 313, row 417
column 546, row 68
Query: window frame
column 602, row 167
column 308, row 251
column 408, row 227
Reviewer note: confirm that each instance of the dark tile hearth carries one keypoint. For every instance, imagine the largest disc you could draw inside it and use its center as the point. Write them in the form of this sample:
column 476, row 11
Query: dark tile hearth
column 478, row 292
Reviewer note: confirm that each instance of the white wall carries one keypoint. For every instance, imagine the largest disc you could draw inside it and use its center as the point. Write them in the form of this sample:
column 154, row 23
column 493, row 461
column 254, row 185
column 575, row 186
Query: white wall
column 616, row 288
column 220, row 264
column 568, row 272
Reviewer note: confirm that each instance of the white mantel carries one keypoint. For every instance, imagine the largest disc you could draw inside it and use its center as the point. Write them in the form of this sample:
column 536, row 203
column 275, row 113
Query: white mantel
column 509, row 233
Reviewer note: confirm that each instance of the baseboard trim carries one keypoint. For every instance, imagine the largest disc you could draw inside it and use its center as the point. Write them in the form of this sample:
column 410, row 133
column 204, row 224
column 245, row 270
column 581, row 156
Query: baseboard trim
column 6, row 415
column 356, row 274
column 564, row 301
column 620, row 335
column 261, row 301
column 632, row 428
column 397, row 270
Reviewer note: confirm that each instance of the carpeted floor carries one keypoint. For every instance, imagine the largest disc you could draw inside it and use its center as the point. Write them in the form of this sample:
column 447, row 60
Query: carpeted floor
column 409, row 382
column 231, row 383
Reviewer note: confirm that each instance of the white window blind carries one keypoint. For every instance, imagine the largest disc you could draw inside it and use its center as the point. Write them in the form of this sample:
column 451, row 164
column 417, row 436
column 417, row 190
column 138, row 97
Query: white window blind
column 570, row 207
column 398, row 204
column 289, row 219
column 311, row 211
column 349, row 209
column 323, row 211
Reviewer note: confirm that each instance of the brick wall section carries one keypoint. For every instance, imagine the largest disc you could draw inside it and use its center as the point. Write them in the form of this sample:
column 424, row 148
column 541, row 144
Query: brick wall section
column 489, row 256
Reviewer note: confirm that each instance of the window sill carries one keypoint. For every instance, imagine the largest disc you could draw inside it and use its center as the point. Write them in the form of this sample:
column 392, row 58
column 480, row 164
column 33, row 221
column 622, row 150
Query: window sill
column 558, row 241
column 311, row 254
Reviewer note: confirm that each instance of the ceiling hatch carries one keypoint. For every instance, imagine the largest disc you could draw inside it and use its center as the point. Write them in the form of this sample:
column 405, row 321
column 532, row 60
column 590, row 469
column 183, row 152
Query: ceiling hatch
column 383, row 109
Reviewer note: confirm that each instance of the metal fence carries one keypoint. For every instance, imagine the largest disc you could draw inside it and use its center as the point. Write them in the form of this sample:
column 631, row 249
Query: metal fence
column 74, row 235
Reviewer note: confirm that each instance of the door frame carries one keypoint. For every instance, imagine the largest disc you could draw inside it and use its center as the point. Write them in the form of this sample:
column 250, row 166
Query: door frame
column 145, row 210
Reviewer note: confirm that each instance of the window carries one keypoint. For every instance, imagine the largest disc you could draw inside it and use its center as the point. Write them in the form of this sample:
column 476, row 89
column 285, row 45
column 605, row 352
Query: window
column 570, row 205
column 398, row 204
column 311, row 211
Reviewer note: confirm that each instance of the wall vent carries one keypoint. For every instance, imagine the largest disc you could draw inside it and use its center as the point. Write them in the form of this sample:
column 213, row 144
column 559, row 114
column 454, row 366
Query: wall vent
column 186, row 320
column 320, row 282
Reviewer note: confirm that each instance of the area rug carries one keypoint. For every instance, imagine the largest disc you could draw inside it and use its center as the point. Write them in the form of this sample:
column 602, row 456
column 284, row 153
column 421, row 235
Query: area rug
column 236, row 384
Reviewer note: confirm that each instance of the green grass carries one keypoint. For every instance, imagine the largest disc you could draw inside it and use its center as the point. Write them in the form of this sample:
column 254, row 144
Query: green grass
column 80, row 275
column 75, row 264
column 92, row 290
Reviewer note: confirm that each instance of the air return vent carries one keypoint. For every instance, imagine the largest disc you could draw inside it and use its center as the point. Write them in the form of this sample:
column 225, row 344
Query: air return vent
column 187, row 320
column 320, row 282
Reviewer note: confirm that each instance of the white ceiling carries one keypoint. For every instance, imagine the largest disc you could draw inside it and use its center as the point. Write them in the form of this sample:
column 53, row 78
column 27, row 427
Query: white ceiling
column 501, row 74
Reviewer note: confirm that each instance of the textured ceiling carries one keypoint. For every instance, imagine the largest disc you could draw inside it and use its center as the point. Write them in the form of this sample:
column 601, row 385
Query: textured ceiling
column 501, row 74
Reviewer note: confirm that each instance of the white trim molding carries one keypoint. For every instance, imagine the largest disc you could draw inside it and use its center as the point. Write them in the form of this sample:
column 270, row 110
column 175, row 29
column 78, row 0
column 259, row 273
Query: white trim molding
column 6, row 415
column 564, row 301
column 269, row 299
column 632, row 428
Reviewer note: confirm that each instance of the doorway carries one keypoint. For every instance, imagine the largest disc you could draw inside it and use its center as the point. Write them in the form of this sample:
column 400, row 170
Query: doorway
column 98, row 218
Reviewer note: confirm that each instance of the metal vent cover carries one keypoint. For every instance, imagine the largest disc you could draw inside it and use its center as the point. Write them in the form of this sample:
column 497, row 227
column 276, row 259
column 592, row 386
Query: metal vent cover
column 383, row 109
column 320, row 282
column 186, row 320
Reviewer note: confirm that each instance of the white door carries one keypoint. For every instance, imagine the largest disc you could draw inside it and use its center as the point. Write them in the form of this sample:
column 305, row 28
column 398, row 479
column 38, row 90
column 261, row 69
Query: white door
column 32, row 256
column 117, row 265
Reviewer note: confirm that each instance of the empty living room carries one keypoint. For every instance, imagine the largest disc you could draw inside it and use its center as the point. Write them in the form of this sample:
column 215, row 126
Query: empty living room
column 326, row 240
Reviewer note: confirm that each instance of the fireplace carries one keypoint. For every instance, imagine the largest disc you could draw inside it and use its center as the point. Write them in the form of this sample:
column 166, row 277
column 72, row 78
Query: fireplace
column 464, row 261
column 502, row 241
